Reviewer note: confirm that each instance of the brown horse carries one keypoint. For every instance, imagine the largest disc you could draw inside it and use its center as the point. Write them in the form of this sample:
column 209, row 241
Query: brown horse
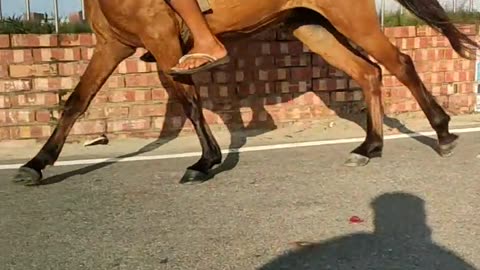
column 327, row 27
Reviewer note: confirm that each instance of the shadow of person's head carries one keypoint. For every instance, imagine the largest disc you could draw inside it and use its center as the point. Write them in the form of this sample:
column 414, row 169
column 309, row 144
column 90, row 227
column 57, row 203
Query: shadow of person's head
column 401, row 240
column 400, row 215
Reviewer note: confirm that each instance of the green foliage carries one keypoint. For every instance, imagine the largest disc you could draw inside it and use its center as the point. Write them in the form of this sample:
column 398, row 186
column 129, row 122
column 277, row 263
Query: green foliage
column 16, row 25
column 460, row 17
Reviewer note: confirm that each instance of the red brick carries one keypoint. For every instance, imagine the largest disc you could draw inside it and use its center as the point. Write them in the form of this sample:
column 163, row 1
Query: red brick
column 56, row 54
column 34, row 99
column 459, row 76
column 4, row 101
column 43, row 116
column 142, row 80
column 329, row 84
column 467, row 29
column 88, row 127
column 221, row 77
column 3, row 71
column 458, row 100
column 117, row 112
column 287, row 47
column 15, row 85
column 264, row 35
column 203, row 77
column 67, row 40
column 301, row 73
column 284, row 34
column 390, row 81
column 38, row 70
column 55, row 83
column 129, row 95
column 426, row 31
column 160, row 94
column 71, row 68
column 266, row 61
column 320, row 72
column 101, row 98
column 256, row 88
column 293, row 87
column 128, row 125
column 86, row 53
column 16, row 116
column 16, row 56
column 133, row 65
column 4, row 41
column 34, row 40
column 293, row 60
column 4, row 133
column 400, row 32
column 138, row 111
column 172, row 123
column 115, row 82
column 30, row 132
column 462, row 64
column 95, row 112
column 466, row 88
column 440, row 41
column 272, row 74
column 334, row 72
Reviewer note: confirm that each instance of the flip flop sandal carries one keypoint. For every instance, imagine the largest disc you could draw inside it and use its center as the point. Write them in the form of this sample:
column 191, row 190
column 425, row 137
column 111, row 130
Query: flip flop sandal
column 212, row 62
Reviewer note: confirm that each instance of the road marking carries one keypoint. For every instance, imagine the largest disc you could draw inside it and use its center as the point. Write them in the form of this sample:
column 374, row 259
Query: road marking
column 241, row 150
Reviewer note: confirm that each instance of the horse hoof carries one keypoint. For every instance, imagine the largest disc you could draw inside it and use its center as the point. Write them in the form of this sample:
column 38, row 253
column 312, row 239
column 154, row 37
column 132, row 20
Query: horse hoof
column 27, row 176
column 193, row 177
column 356, row 160
column 446, row 150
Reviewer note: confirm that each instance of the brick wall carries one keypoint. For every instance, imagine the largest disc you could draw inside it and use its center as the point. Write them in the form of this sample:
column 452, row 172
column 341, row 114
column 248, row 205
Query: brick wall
column 272, row 80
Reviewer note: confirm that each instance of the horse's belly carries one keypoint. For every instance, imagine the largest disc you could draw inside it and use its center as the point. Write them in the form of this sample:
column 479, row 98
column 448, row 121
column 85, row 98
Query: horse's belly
column 236, row 15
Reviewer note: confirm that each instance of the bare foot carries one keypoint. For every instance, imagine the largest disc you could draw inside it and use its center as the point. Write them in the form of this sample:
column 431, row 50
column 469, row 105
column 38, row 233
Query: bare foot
column 214, row 49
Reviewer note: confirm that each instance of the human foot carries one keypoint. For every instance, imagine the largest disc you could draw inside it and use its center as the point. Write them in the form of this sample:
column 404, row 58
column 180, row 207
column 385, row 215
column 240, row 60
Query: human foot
column 202, row 57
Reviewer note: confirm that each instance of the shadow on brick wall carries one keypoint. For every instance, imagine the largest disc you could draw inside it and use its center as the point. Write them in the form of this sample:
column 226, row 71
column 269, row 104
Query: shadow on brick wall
column 236, row 92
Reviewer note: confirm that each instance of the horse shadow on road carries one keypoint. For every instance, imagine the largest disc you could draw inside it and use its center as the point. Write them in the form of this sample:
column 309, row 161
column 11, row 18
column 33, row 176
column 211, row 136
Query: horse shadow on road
column 401, row 240
column 233, row 122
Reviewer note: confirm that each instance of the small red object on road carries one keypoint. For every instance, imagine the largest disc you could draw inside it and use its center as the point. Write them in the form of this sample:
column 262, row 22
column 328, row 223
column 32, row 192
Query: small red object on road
column 355, row 219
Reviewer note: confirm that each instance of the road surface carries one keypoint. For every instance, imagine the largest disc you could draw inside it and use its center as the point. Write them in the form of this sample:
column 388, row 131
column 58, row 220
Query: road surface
column 419, row 211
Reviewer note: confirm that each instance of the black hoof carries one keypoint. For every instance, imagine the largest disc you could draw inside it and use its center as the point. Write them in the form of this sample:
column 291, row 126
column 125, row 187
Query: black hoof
column 27, row 176
column 446, row 150
column 447, row 144
column 356, row 160
column 193, row 177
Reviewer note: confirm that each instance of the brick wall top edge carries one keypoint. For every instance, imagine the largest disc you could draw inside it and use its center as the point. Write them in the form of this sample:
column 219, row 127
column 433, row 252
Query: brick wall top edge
column 89, row 39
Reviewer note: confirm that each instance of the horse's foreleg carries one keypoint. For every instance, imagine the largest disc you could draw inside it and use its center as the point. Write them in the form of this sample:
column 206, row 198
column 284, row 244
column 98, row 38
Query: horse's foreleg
column 190, row 100
column 324, row 43
column 211, row 153
column 104, row 60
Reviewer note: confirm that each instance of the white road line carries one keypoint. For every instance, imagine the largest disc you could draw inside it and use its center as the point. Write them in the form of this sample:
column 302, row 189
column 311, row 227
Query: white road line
column 241, row 150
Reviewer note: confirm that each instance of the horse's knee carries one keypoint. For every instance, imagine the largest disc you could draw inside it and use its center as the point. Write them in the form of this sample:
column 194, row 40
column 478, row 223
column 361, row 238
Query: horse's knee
column 75, row 105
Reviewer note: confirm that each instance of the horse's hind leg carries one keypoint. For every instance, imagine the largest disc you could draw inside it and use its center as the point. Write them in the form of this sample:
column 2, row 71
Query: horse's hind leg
column 364, row 30
column 105, row 59
column 322, row 42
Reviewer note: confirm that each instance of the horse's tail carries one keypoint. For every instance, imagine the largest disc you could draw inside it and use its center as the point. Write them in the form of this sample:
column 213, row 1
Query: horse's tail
column 432, row 13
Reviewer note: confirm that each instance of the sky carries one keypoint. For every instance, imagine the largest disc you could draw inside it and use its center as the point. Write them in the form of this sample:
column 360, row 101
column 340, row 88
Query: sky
column 17, row 7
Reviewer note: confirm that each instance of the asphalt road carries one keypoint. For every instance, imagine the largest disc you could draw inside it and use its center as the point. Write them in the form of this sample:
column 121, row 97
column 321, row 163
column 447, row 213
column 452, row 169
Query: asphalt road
column 419, row 211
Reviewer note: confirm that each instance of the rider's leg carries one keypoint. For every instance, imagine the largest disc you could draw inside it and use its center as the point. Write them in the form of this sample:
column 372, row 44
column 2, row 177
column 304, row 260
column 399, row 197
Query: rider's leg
column 204, row 41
